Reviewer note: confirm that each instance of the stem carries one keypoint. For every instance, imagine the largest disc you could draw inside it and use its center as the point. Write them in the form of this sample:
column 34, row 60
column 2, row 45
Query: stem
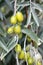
column 25, row 47
column 26, row 13
column 26, row 37
column 25, row 42
column 17, row 59
column 30, row 5
column 15, row 6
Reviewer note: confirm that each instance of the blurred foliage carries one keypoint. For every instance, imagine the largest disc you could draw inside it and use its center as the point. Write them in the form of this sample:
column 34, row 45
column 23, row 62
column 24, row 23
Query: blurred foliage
column 33, row 19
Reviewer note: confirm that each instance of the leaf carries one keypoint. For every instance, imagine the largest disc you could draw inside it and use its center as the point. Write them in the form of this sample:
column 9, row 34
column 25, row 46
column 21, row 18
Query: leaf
column 35, row 17
column 23, row 4
column 41, row 50
column 2, row 39
column 8, row 57
column 1, row 50
column 1, row 16
column 3, row 46
column 8, row 3
column 29, row 19
column 38, row 7
column 2, row 31
column 31, row 34
column 13, row 43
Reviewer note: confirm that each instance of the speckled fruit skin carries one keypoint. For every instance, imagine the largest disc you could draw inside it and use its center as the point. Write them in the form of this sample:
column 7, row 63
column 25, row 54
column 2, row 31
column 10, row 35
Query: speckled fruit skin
column 30, row 61
column 21, row 55
column 19, row 17
column 13, row 19
column 18, row 48
column 17, row 29
column 27, row 55
column 10, row 30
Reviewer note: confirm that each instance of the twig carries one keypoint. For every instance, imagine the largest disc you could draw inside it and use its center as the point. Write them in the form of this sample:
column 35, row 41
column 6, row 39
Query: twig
column 17, row 59
column 15, row 6
column 30, row 5
column 25, row 47
column 25, row 42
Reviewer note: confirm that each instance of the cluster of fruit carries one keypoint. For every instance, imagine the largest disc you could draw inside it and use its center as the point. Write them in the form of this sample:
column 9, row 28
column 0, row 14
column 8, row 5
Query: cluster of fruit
column 26, row 57
column 16, row 20
column 22, row 55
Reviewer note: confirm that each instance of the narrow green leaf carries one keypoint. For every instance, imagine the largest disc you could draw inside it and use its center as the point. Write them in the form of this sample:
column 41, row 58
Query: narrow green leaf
column 29, row 19
column 3, row 46
column 31, row 34
column 35, row 17
column 38, row 7
column 1, row 16
column 13, row 43
column 8, row 3
column 23, row 4
column 2, row 31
